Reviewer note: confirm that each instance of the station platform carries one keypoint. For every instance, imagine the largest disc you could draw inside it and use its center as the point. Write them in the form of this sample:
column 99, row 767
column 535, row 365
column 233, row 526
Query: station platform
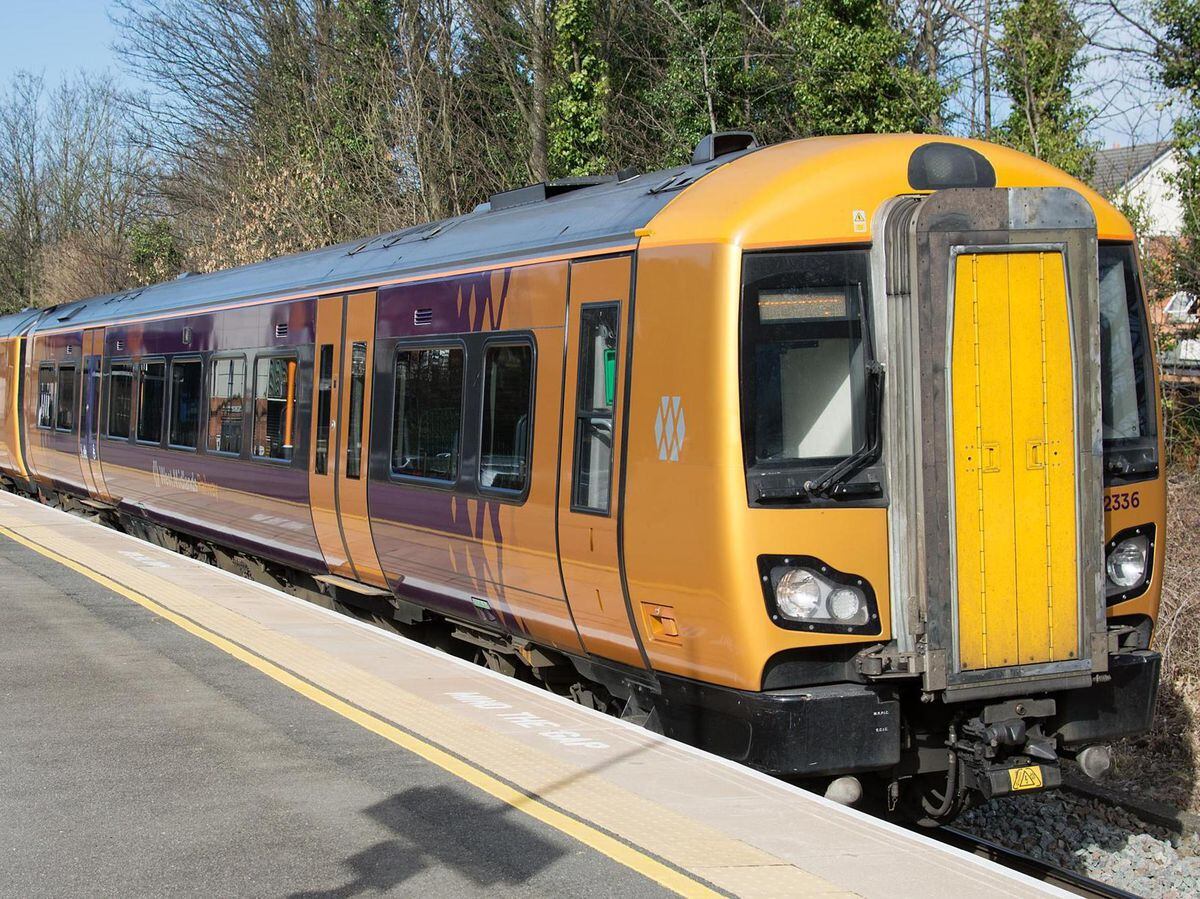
column 172, row 728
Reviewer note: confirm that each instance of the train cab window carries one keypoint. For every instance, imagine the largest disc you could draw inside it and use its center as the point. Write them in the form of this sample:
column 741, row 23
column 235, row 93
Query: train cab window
column 803, row 360
column 151, row 392
column 226, row 405
column 504, row 442
column 65, row 402
column 45, row 407
column 1126, row 388
column 186, row 377
column 427, row 418
column 595, row 398
column 274, row 407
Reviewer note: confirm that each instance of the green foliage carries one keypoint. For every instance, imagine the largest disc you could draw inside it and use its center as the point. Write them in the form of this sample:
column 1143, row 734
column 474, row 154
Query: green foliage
column 1179, row 61
column 722, row 71
column 1039, row 67
column 853, row 72
column 577, row 138
column 154, row 252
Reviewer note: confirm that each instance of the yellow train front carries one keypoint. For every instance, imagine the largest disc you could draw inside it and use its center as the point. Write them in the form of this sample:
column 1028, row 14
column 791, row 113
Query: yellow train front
column 893, row 492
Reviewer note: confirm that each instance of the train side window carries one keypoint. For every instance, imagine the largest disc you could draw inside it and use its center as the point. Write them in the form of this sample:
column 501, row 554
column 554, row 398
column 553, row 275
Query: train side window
column 152, row 386
column 507, row 408
column 427, row 419
column 354, row 419
column 226, row 405
column 595, row 398
column 120, row 399
column 274, row 407
column 186, row 387
column 45, row 408
column 324, row 408
column 65, row 403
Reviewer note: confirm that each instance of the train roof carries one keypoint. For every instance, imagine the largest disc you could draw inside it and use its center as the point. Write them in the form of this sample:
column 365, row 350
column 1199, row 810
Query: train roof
column 538, row 220
column 829, row 185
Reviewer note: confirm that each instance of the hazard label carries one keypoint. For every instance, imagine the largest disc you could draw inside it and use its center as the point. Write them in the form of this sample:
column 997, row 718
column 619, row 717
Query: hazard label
column 859, row 218
column 1028, row 778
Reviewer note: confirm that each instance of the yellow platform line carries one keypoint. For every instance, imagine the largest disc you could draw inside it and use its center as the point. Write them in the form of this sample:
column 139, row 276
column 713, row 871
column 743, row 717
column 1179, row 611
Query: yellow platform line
column 604, row 843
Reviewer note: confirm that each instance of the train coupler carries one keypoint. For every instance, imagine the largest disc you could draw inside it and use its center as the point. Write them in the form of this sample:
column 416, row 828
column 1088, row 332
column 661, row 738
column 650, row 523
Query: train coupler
column 1003, row 750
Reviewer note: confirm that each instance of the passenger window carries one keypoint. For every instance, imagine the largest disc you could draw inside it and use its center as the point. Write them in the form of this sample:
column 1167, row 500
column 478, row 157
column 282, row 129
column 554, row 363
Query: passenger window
column 185, row 404
column 45, row 409
column 274, row 407
column 594, row 407
column 354, row 422
column 226, row 405
column 428, row 413
column 504, row 443
column 65, row 417
column 150, row 402
column 324, row 408
column 120, row 399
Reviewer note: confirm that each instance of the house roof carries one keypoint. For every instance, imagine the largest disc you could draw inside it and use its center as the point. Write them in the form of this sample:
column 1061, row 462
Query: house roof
column 1117, row 167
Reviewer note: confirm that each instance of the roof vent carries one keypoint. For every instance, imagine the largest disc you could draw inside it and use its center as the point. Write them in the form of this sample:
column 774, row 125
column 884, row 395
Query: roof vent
column 423, row 317
column 714, row 146
column 281, row 329
column 536, row 193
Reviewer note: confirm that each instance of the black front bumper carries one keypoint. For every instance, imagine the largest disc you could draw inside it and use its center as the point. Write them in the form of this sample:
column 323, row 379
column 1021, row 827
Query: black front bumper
column 809, row 731
column 1122, row 706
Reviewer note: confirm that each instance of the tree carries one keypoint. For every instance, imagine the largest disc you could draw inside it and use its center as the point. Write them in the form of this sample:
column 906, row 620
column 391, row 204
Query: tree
column 577, row 138
column 72, row 190
column 854, row 71
column 1179, row 61
column 1039, row 67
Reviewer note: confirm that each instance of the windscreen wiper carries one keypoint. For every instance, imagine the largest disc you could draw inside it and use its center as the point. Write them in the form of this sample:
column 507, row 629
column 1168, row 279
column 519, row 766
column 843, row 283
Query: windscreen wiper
column 832, row 484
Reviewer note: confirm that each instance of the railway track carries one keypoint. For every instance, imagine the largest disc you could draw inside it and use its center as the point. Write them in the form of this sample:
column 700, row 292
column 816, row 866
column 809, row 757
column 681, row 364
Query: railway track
column 1046, row 872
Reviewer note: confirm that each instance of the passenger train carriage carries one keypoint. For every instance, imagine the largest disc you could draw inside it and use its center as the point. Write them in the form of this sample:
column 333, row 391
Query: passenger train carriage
column 838, row 457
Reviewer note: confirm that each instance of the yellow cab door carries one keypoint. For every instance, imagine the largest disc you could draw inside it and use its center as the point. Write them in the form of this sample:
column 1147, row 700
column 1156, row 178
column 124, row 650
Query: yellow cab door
column 1014, row 456
column 589, row 459
column 338, row 462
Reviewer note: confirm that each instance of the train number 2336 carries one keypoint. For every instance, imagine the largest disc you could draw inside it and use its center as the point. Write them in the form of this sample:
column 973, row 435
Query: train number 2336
column 1130, row 499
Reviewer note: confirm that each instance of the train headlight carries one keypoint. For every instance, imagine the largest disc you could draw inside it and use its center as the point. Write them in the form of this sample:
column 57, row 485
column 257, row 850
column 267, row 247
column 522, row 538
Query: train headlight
column 804, row 594
column 1127, row 562
column 845, row 603
column 798, row 594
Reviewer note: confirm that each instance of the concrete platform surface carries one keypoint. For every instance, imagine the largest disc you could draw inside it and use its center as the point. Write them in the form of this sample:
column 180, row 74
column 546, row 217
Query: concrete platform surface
column 166, row 727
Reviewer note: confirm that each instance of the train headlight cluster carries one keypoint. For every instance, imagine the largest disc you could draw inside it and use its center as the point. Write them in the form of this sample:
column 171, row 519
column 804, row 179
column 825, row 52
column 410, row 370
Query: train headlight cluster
column 804, row 594
column 1128, row 564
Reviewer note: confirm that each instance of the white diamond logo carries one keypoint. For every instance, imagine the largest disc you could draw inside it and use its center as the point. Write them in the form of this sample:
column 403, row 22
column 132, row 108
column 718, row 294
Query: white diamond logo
column 669, row 428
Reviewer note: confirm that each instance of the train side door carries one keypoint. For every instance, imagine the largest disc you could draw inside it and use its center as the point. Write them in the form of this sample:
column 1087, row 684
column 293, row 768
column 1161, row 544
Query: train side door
column 90, row 411
column 341, row 435
column 589, row 458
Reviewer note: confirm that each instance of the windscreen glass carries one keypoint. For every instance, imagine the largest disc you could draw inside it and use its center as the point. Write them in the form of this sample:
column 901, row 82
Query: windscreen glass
column 803, row 365
column 1126, row 385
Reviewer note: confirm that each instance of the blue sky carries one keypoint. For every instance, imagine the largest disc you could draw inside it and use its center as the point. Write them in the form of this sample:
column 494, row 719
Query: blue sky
column 55, row 37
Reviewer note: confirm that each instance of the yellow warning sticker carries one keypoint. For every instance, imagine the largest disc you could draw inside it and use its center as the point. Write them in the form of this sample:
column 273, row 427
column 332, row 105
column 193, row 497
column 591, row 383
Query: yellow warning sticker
column 1028, row 778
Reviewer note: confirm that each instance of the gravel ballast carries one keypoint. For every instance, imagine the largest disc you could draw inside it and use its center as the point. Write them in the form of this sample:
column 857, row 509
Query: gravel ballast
column 1093, row 838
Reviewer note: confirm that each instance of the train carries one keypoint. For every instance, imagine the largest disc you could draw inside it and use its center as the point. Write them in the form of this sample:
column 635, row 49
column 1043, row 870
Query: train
column 839, row 457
